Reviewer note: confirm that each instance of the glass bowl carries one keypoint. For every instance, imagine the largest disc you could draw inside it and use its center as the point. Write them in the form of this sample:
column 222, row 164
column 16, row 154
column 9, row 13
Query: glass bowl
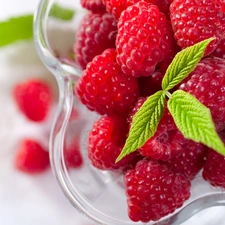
column 99, row 195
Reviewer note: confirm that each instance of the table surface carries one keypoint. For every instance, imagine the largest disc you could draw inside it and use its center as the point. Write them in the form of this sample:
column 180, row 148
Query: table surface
column 24, row 199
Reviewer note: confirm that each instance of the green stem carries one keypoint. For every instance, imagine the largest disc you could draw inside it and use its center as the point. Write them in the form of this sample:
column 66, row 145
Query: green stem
column 168, row 94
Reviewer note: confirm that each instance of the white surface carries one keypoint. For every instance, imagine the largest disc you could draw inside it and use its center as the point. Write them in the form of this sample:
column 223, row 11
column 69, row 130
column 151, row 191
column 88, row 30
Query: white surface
column 35, row 200
column 25, row 199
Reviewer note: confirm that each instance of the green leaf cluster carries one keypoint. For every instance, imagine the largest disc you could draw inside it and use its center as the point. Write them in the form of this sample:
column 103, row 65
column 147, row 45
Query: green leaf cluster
column 191, row 117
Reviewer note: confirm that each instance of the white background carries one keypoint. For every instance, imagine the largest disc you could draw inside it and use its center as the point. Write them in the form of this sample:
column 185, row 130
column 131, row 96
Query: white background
column 36, row 200
column 25, row 199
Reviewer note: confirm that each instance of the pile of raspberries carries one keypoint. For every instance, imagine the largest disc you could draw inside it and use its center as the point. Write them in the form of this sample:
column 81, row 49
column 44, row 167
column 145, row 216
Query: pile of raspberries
column 124, row 48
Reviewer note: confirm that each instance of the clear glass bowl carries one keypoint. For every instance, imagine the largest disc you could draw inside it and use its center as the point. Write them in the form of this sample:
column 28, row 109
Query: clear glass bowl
column 97, row 194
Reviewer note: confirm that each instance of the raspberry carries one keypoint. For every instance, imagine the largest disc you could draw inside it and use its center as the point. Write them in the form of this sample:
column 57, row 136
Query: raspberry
column 116, row 7
column 220, row 50
column 104, row 88
column 163, row 65
column 96, row 6
column 144, row 39
column 106, row 141
column 154, row 191
column 96, row 33
column 214, row 168
column 166, row 143
column 31, row 157
column 207, row 84
column 72, row 155
column 190, row 161
column 33, row 98
column 194, row 21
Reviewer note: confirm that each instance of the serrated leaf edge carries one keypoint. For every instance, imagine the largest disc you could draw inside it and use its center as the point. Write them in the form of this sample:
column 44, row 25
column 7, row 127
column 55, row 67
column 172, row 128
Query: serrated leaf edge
column 171, row 77
column 133, row 142
column 210, row 135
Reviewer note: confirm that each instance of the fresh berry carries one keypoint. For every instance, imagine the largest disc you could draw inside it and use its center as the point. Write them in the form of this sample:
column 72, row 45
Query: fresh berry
column 190, row 161
column 31, row 157
column 151, row 84
column 96, row 6
column 154, row 191
column 96, row 33
column 72, row 155
column 166, row 142
column 207, row 84
column 214, row 171
column 144, row 39
column 163, row 65
column 106, row 141
column 214, row 168
column 220, row 50
column 116, row 7
column 194, row 21
column 104, row 88
column 33, row 98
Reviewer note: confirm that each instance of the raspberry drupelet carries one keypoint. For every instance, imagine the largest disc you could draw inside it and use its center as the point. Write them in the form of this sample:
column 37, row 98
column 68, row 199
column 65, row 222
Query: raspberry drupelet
column 207, row 84
column 104, row 88
column 193, row 21
column 144, row 39
column 96, row 33
column 154, row 191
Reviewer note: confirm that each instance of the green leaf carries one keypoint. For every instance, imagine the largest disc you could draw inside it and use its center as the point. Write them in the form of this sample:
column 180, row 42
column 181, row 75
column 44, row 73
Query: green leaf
column 194, row 120
column 183, row 64
column 21, row 28
column 62, row 13
column 16, row 29
column 145, row 123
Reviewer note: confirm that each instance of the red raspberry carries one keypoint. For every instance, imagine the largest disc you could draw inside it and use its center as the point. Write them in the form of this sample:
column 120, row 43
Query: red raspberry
column 116, row 7
column 144, row 39
column 31, row 157
column 154, row 191
column 220, row 50
column 96, row 33
column 72, row 155
column 95, row 6
column 214, row 168
column 104, row 88
column 163, row 65
column 33, row 98
column 207, row 84
column 166, row 143
column 106, row 141
column 194, row 21
column 190, row 161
